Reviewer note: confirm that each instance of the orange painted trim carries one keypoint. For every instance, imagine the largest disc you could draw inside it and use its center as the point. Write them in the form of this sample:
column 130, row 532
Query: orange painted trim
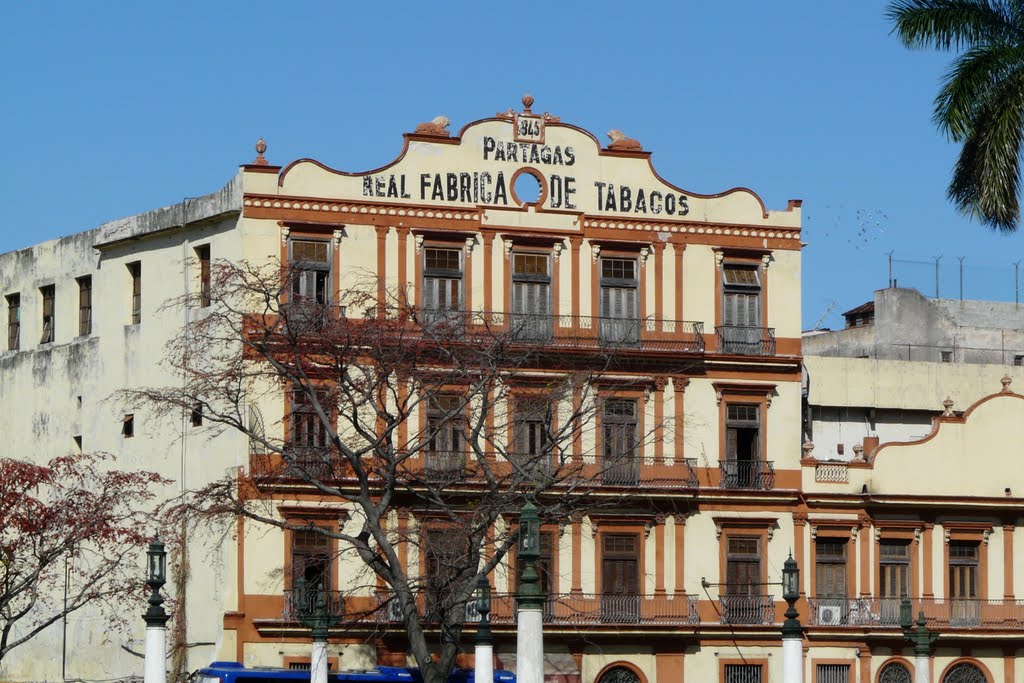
column 929, row 571
column 677, row 253
column 1009, row 667
column 763, row 663
column 659, row 422
column 595, row 284
column 659, row 280
column 240, row 578
column 799, row 522
column 864, row 549
column 382, row 268
column 577, row 554
column 669, row 666
column 659, row 558
column 556, row 285
column 679, row 385
column 488, row 240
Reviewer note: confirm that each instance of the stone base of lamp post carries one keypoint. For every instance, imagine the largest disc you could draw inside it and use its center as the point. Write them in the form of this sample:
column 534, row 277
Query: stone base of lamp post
column 922, row 669
column 318, row 662
column 483, row 665
column 792, row 660
column 529, row 645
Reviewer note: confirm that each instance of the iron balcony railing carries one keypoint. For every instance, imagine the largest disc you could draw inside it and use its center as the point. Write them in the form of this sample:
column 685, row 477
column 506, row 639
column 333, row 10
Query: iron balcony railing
column 300, row 605
column 741, row 340
column 444, row 464
column 564, row 331
column 747, row 609
column 572, row 609
column 740, row 474
column 939, row 613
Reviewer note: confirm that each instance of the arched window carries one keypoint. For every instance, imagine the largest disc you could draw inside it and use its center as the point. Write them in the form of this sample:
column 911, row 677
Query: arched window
column 964, row 672
column 894, row 672
column 619, row 674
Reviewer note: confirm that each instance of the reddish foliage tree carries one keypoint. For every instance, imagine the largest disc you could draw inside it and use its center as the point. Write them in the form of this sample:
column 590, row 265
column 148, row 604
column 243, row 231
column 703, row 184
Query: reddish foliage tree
column 75, row 509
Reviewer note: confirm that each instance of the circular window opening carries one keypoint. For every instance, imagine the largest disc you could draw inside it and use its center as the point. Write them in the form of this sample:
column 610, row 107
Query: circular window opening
column 619, row 674
column 527, row 188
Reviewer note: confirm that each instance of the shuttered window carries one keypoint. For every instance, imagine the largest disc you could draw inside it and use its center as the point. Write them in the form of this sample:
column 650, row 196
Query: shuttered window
column 894, row 569
column 310, row 263
column 620, row 308
column 13, row 321
column 311, row 559
column 963, row 570
column 48, row 294
column 442, row 282
column 531, row 296
column 135, row 271
column 203, row 256
column 830, row 569
column 743, row 565
column 85, row 305
column 741, row 301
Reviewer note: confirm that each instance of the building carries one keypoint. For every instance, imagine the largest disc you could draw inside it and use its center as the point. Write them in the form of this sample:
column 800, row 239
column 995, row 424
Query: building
column 678, row 583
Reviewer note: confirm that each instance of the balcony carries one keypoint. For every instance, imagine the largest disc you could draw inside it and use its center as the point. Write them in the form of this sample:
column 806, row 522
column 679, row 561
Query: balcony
column 739, row 340
column 444, row 465
column 579, row 609
column 300, row 605
column 939, row 613
column 747, row 609
column 573, row 332
column 755, row 475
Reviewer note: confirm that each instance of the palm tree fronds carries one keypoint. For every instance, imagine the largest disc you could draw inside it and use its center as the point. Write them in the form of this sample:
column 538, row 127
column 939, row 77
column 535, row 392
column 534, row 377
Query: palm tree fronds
column 970, row 82
column 952, row 24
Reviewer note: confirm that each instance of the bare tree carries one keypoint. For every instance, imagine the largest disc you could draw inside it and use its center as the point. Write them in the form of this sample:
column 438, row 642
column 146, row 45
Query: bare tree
column 455, row 418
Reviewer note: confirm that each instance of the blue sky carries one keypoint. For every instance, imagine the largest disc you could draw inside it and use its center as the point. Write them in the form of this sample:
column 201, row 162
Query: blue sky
column 115, row 108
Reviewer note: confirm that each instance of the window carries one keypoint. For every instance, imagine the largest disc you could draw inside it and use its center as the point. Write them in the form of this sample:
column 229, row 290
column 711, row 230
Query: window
column 620, row 578
column 830, row 581
column 618, row 430
column 135, row 271
column 84, row 305
column 531, row 297
column 531, row 434
column 48, row 294
column 13, row 321
column 946, row 356
column 311, row 559
column 620, row 308
column 445, row 424
column 741, row 310
column 442, row 285
column 309, row 439
column 742, row 601
column 894, row 672
column 78, row 442
column 893, row 577
column 128, row 426
column 742, row 673
column 963, row 583
column 203, row 255
column 964, row 672
column 743, row 467
column 1018, row 360
column 619, row 674
column 197, row 415
column 832, row 673
column 446, row 554
column 310, row 262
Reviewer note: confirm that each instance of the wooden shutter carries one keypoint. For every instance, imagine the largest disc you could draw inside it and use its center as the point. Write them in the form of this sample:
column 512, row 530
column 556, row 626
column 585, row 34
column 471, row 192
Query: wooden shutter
column 429, row 298
column 730, row 444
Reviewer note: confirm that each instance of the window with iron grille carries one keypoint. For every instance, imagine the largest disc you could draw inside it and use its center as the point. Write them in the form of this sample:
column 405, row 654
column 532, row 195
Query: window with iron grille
column 442, row 282
column 531, row 295
column 742, row 673
column 203, row 256
column 531, row 432
column 84, row 305
column 832, row 673
column 135, row 272
column 48, row 295
column 894, row 672
column 13, row 321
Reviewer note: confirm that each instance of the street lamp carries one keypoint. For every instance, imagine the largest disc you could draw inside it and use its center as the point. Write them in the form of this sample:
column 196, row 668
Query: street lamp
column 792, row 632
column 922, row 637
column 529, row 600
column 483, row 661
column 156, row 617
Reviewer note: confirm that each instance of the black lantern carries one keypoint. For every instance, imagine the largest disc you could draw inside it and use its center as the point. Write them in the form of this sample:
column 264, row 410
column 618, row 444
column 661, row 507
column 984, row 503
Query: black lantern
column 157, row 557
column 791, row 593
column 156, row 577
column 530, row 594
column 483, row 608
column 790, row 580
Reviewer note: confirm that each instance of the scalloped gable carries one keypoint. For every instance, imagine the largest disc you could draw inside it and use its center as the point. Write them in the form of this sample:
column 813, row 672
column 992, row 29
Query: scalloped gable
column 478, row 168
column 976, row 454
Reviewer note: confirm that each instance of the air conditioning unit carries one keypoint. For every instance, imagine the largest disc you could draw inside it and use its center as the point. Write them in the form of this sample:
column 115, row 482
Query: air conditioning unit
column 830, row 615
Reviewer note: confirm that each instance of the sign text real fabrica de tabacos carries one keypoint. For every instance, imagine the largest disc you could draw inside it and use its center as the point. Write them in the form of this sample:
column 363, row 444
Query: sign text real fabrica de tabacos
column 486, row 187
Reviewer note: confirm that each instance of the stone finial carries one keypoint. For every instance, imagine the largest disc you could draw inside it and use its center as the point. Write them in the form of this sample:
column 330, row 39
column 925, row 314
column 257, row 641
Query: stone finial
column 808, row 447
column 437, row 127
column 261, row 147
column 527, row 103
column 947, row 407
column 622, row 142
column 858, row 453
column 1005, row 381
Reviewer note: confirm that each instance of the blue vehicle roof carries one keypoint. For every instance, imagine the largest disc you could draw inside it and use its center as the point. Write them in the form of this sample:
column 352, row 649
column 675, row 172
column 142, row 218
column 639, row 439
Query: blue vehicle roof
column 230, row 672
